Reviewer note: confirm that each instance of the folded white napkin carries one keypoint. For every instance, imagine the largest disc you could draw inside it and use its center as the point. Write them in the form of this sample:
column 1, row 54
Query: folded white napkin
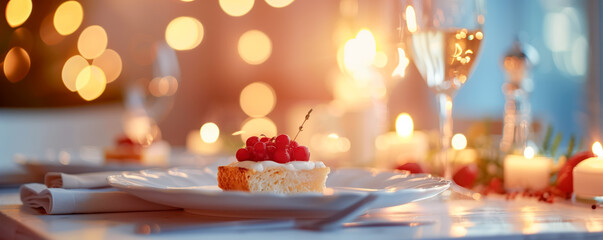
column 71, row 199
column 71, row 181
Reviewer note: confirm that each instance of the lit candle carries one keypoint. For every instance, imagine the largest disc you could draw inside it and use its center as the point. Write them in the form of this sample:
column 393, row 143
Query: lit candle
column 527, row 171
column 205, row 141
column 588, row 175
column 404, row 145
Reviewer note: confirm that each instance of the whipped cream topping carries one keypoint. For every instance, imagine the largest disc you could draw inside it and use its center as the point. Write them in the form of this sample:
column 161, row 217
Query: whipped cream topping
column 293, row 165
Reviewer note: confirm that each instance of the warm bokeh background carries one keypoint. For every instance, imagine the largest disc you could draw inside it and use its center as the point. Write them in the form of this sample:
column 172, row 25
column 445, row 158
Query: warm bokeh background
column 38, row 110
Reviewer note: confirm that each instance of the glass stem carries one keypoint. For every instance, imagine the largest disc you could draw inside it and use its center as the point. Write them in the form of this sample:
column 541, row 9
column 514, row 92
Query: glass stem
column 445, row 102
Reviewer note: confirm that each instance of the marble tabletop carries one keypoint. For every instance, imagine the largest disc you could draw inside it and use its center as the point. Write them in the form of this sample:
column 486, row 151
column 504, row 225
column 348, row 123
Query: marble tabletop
column 490, row 218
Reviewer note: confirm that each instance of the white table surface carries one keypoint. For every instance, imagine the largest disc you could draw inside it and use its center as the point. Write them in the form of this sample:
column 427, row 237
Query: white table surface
column 491, row 219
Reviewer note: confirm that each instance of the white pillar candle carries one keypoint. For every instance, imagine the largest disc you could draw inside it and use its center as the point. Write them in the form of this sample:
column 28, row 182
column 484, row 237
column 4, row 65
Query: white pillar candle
column 402, row 146
column 588, row 175
column 526, row 172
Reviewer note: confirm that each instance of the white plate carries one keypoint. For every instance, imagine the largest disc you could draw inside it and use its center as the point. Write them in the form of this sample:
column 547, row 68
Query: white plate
column 196, row 191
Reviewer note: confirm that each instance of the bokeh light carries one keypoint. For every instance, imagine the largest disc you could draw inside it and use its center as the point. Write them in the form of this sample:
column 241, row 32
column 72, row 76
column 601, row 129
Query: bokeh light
column 257, row 99
column 141, row 128
column 236, row 8
column 16, row 64
column 254, row 47
column 48, row 34
column 92, row 42
column 163, row 86
column 68, row 17
column 411, row 19
column 279, row 3
column 258, row 126
column 17, row 12
column 459, row 141
column 360, row 52
column 72, row 68
column 404, row 125
column 403, row 62
column 209, row 132
column 90, row 83
column 110, row 63
column 184, row 33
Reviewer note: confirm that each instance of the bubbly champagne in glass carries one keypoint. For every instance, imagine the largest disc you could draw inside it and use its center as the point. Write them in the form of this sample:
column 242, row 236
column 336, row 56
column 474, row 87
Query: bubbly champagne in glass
column 445, row 57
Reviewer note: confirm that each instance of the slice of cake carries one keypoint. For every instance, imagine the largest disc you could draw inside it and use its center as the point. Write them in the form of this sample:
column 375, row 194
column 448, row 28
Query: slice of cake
column 276, row 165
column 128, row 151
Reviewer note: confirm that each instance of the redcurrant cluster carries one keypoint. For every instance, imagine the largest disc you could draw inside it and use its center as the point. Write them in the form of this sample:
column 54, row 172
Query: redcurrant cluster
column 279, row 149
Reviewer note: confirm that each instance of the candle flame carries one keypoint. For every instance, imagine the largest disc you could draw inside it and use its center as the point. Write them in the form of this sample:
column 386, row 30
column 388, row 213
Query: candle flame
column 528, row 152
column 404, row 125
column 597, row 149
column 411, row 19
column 459, row 141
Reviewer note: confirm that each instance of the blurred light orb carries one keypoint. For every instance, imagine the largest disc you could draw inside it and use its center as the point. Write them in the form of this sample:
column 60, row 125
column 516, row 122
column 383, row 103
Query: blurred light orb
column 209, row 132
column 256, row 127
column 16, row 64
column 359, row 52
column 236, row 8
column 68, row 17
column 257, row 99
column 254, row 47
column 279, row 3
column 459, row 141
column 90, row 83
column 92, row 42
column 163, row 86
column 17, row 12
column 184, row 33
column 403, row 62
column 110, row 63
column 48, row 34
column 404, row 125
column 141, row 128
column 72, row 68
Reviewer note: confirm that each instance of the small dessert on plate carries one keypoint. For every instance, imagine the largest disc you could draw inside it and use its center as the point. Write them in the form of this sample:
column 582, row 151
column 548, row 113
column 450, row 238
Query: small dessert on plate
column 277, row 165
column 128, row 151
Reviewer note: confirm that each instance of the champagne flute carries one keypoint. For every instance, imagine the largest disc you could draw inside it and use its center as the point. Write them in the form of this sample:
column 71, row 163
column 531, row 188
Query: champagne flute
column 443, row 38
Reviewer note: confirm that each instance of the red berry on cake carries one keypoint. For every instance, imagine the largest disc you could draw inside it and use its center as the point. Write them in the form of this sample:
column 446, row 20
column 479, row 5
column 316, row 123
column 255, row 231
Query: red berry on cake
column 281, row 156
column 259, row 147
column 265, row 139
column 270, row 149
column 282, row 141
column 301, row 153
column 243, row 155
column 251, row 141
